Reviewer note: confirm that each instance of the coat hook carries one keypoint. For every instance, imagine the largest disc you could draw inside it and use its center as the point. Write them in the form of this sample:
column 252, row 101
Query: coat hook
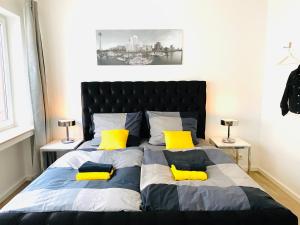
column 290, row 58
column 289, row 46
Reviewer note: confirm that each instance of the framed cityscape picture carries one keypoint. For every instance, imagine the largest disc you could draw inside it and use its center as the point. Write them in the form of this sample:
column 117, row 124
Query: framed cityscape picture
column 139, row 47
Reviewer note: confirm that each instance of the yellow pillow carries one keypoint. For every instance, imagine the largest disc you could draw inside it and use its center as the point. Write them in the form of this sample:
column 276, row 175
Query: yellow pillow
column 178, row 139
column 113, row 139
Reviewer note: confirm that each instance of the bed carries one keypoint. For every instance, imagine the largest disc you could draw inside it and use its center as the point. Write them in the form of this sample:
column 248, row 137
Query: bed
column 119, row 97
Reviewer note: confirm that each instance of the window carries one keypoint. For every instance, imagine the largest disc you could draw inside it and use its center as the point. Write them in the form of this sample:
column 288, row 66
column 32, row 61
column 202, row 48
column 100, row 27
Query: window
column 6, row 113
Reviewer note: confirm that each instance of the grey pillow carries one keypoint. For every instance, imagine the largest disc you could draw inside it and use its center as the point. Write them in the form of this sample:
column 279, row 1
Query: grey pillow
column 161, row 121
column 111, row 121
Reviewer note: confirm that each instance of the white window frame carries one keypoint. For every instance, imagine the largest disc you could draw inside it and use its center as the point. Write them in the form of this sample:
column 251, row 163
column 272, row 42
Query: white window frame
column 7, row 78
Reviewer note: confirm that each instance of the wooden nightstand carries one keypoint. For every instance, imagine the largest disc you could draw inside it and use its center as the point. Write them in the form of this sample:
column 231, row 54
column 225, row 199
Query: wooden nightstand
column 239, row 144
column 58, row 147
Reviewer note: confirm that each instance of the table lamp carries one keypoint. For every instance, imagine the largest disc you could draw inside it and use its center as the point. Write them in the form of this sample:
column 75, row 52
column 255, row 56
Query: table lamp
column 66, row 124
column 229, row 123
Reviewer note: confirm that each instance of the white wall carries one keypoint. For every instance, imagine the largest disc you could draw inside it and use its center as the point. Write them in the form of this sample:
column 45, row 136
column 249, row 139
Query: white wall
column 15, row 161
column 280, row 142
column 223, row 44
column 14, row 6
column 15, row 167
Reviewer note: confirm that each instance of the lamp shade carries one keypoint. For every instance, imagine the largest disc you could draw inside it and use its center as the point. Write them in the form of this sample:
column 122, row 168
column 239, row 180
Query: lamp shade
column 229, row 122
column 66, row 123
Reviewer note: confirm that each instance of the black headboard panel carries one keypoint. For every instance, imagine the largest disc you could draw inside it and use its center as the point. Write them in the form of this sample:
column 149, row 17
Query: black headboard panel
column 118, row 97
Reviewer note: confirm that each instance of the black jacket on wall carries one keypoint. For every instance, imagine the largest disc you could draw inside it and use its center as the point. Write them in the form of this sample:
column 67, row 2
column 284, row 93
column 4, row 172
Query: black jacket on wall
column 291, row 96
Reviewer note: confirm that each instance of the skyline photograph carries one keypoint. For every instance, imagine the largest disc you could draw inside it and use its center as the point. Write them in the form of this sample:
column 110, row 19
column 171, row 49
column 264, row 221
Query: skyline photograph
column 139, row 47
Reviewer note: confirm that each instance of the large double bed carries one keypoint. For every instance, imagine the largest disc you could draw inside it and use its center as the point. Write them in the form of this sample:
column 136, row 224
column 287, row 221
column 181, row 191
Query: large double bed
column 143, row 191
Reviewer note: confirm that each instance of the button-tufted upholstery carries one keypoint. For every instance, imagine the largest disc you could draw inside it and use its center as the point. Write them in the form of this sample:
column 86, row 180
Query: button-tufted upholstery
column 117, row 97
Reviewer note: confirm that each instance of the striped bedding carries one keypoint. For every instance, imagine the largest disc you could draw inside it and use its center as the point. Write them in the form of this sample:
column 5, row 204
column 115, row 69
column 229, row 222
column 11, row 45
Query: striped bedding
column 228, row 187
column 57, row 190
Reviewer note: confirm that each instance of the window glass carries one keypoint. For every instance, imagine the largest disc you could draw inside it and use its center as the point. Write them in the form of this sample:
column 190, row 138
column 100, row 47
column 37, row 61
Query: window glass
column 6, row 115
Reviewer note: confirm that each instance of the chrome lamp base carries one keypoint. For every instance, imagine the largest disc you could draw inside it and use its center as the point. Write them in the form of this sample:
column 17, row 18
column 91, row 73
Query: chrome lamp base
column 67, row 141
column 228, row 140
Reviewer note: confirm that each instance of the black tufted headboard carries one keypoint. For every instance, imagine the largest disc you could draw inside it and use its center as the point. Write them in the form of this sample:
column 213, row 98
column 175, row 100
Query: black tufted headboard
column 118, row 97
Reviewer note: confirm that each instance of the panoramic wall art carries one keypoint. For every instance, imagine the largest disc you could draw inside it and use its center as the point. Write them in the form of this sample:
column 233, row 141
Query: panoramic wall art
column 139, row 47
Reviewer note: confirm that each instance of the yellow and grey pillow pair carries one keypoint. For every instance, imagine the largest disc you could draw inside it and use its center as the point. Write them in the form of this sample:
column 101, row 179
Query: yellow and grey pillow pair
column 164, row 121
column 117, row 121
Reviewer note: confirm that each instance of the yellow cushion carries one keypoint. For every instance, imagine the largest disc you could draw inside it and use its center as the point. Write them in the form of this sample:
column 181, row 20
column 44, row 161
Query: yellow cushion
column 188, row 175
column 93, row 175
column 113, row 139
column 178, row 139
